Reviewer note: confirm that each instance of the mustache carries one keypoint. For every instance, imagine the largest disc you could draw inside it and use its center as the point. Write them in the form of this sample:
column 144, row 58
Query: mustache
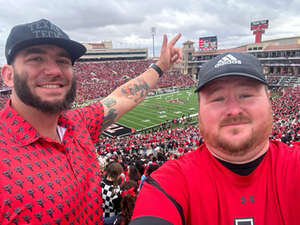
column 235, row 119
column 46, row 79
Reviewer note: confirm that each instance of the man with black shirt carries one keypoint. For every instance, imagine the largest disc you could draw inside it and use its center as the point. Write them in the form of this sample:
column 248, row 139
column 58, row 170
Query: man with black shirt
column 237, row 176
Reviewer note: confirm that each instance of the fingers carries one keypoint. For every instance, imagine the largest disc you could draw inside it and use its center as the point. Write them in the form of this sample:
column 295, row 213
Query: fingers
column 169, row 54
column 165, row 42
column 178, row 52
column 175, row 39
column 176, row 56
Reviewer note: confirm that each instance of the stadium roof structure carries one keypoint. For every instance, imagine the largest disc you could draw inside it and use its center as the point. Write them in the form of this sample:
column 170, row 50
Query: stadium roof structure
column 278, row 57
column 282, row 47
column 220, row 51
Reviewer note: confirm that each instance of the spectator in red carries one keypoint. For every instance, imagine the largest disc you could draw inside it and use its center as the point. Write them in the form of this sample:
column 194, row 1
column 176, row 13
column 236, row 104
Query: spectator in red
column 129, row 194
column 49, row 172
column 238, row 176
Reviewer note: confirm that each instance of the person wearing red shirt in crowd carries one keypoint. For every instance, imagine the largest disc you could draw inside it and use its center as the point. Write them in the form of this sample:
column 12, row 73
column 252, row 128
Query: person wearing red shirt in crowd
column 49, row 171
column 238, row 175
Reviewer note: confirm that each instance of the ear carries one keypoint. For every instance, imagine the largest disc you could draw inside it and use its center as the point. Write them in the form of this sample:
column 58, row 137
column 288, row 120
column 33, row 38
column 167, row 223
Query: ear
column 7, row 74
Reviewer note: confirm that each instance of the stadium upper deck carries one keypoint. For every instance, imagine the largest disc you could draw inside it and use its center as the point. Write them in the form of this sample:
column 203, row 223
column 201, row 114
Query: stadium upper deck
column 279, row 57
column 104, row 51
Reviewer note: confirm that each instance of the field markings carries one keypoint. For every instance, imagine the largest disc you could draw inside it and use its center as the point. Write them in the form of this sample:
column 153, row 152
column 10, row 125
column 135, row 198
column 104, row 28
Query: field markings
column 163, row 116
column 157, row 109
column 178, row 112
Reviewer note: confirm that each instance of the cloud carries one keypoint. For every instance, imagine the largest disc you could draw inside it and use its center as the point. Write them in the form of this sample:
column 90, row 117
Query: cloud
column 128, row 22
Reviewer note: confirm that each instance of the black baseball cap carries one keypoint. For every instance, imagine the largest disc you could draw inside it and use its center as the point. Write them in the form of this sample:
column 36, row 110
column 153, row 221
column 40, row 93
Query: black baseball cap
column 37, row 33
column 230, row 64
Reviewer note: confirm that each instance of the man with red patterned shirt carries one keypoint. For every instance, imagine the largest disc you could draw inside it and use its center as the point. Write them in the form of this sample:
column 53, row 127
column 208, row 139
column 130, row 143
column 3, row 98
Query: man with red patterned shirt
column 49, row 172
column 238, row 176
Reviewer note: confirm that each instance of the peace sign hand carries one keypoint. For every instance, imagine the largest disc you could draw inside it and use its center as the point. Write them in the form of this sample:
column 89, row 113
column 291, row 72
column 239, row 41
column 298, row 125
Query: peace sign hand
column 169, row 54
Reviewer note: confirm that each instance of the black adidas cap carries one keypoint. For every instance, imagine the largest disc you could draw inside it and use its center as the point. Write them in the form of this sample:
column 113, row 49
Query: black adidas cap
column 37, row 33
column 230, row 64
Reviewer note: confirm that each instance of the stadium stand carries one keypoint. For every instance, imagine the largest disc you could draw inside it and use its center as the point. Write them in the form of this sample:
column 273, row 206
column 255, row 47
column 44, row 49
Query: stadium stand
column 99, row 79
column 150, row 149
column 286, row 128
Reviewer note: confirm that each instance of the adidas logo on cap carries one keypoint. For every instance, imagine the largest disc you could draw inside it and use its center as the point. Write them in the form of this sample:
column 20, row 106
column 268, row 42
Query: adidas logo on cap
column 227, row 59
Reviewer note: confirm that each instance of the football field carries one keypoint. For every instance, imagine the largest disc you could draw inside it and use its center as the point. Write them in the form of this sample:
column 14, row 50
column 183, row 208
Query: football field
column 160, row 108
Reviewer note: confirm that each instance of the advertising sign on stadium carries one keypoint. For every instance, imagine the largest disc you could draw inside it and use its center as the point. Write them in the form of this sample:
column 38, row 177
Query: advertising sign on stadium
column 208, row 43
column 261, row 24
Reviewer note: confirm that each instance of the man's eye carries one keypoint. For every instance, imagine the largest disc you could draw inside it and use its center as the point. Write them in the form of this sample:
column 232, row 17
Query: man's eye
column 37, row 59
column 219, row 99
column 64, row 61
column 245, row 95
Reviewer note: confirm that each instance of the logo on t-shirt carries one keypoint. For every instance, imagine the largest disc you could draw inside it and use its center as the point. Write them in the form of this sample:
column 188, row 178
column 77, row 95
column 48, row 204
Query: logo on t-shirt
column 250, row 199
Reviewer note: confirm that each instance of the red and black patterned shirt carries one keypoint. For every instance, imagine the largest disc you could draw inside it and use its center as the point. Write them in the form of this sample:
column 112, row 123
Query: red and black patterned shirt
column 46, row 182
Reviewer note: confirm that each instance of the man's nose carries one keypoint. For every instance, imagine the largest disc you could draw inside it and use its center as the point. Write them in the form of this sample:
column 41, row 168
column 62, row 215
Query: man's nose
column 233, row 107
column 52, row 68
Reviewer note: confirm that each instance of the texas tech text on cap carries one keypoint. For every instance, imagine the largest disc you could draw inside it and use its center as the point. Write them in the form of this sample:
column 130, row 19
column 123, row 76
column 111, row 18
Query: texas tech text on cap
column 37, row 33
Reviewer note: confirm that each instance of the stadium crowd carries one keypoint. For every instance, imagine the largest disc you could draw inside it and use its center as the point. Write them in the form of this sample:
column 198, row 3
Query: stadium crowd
column 97, row 80
column 138, row 154
column 286, row 128
column 100, row 79
column 283, row 79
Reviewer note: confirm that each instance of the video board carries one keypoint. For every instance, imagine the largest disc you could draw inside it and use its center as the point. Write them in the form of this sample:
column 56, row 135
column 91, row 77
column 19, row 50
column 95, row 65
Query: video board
column 208, row 43
column 261, row 24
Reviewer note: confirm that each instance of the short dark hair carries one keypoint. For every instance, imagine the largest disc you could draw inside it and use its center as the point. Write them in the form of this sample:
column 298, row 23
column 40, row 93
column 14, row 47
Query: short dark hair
column 113, row 171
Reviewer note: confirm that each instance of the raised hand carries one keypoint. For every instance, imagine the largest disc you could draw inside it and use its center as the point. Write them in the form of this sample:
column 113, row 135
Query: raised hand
column 169, row 54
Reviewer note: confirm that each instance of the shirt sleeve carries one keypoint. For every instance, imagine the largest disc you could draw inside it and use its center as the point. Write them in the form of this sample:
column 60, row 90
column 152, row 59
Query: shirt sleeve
column 93, row 116
column 163, row 198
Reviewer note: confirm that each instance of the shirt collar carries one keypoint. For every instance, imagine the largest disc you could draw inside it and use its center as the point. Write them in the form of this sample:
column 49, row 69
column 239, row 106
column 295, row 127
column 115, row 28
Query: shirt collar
column 20, row 131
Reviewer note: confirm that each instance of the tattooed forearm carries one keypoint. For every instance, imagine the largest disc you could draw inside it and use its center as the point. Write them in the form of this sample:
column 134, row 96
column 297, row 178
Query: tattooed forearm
column 109, row 102
column 108, row 119
column 136, row 91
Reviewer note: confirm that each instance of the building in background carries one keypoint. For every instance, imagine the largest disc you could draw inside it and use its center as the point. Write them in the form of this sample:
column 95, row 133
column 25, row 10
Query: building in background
column 278, row 57
column 104, row 51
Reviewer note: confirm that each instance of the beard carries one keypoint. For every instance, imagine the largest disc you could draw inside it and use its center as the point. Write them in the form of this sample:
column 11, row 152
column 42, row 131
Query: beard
column 28, row 98
column 238, row 148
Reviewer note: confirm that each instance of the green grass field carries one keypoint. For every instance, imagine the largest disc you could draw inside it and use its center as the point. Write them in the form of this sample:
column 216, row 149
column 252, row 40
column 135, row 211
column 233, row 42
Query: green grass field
column 154, row 110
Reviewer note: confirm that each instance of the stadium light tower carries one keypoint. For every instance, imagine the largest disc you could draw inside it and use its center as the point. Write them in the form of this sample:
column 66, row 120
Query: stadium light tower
column 153, row 32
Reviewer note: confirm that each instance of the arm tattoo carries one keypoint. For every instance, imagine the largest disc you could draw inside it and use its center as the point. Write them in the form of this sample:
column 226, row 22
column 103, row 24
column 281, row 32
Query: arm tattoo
column 108, row 119
column 109, row 102
column 136, row 91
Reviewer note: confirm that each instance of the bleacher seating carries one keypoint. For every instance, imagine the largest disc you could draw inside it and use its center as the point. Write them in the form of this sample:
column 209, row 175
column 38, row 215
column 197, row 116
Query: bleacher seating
column 100, row 79
column 286, row 80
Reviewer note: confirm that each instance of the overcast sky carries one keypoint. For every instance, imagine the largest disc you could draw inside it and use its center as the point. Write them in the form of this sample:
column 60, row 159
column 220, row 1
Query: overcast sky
column 128, row 22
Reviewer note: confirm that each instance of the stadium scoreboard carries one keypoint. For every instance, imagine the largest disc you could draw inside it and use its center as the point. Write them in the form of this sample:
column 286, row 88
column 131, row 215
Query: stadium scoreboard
column 258, row 28
column 261, row 24
column 208, row 43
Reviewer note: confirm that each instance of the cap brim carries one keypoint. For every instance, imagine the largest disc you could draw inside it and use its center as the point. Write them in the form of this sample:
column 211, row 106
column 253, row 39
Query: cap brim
column 75, row 49
column 231, row 74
